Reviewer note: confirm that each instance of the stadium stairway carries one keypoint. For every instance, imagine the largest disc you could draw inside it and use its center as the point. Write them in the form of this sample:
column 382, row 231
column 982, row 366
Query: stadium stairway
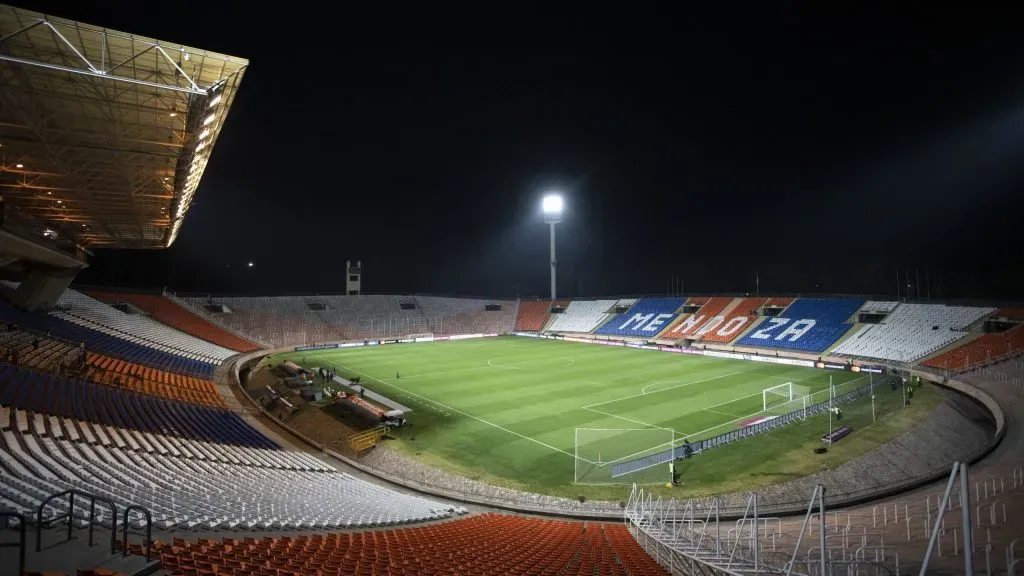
column 62, row 557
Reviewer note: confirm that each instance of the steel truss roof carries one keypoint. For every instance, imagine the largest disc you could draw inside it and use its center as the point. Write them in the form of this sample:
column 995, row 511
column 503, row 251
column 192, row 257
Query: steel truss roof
column 104, row 135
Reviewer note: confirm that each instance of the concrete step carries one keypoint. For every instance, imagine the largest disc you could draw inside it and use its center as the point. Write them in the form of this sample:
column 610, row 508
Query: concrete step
column 57, row 554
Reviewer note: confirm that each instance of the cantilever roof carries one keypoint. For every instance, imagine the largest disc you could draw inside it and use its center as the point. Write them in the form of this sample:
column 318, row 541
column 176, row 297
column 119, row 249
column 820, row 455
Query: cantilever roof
column 104, row 135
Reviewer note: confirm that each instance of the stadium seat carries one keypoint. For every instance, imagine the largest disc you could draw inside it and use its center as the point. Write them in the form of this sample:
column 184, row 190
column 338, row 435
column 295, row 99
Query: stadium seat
column 582, row 316
column 297, row 320
column 911, row 332
column 143, row 379
column 533, row 314
column 467, row 315
column 35, row 350
column 171, row 314
column 808, row 325
column 110, row 342
column 689, row 326
column 742, row 314
column 1010, row 313
column 173, row 477
column 986, row 349
column 645, row 319
column 487, row 544
column 80, row 309
column 29, row 390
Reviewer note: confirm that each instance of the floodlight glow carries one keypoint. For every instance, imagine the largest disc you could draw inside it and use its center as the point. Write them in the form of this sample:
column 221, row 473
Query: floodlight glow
column 552, row 204
column 209, row 119
column 215, row 101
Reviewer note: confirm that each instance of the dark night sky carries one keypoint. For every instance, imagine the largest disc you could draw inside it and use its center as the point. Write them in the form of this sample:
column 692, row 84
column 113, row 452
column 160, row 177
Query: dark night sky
column 821, row 149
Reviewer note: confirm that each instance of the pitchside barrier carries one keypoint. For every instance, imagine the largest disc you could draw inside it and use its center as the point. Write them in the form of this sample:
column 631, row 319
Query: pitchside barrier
column 623, row 468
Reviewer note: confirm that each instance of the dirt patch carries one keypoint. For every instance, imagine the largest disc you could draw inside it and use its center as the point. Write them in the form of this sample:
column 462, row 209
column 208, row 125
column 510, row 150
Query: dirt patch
column 318, row 421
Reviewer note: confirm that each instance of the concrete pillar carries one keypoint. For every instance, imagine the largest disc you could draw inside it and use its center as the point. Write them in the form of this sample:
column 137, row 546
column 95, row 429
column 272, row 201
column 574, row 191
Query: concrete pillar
column 43, row 286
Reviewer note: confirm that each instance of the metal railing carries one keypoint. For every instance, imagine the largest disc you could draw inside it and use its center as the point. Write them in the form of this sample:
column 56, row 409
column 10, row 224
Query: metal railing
column 700, row 446
column 70, row 515
column 22, row 540
column 149, row 530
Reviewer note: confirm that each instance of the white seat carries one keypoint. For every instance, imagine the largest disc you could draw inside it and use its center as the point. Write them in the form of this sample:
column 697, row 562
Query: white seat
column 911, row 332
column 583, row 316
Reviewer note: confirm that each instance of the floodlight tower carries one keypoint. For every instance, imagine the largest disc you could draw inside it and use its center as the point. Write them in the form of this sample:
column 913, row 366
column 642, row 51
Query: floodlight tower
column 551, row 206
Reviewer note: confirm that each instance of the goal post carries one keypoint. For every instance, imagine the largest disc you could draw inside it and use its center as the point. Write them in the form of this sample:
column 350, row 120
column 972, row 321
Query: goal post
column 596, row 451
column 784, row 398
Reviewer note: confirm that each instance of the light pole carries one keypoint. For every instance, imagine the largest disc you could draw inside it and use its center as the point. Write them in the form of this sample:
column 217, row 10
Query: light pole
column 551, row 206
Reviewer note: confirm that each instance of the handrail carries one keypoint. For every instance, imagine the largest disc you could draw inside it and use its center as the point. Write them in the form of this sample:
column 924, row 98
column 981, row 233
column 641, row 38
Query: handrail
column 149, row 530
column 40, row 523
column 22, row 540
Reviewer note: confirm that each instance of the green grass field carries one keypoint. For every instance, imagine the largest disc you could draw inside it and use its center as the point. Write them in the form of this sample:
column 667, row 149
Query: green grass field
column 506, row 410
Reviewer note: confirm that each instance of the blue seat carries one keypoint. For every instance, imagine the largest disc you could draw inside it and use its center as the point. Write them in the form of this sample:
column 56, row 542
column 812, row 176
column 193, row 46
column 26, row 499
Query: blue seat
column 808, row 325
column 103, row 343
column 645, row 319
column 27, row 389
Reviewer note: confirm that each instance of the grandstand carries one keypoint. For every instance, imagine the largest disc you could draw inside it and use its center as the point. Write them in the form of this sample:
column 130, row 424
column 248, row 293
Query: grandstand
column 912, row 331
column 292, row 320
column 167, row 312
column 808, row 325
column 533, row 315
column 984, row 350
column 645, row 318
column 485, row 544
column 582, row 316
column 729, row 325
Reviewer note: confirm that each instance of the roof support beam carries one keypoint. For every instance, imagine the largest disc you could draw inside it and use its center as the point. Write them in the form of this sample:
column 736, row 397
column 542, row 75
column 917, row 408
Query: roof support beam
column 104, row 69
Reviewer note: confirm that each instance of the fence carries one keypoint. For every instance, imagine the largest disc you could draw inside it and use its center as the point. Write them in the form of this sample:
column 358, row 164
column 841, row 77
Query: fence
column 675, row 452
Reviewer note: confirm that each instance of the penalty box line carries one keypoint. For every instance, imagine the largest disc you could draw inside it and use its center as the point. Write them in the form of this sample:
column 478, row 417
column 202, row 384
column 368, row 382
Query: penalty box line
column 684, row 384
column 628, row 419
column 477, row 418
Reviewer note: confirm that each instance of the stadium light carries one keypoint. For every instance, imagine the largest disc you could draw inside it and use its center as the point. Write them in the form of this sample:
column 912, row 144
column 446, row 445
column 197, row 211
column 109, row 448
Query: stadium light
column 551, row 205
column 250, row 264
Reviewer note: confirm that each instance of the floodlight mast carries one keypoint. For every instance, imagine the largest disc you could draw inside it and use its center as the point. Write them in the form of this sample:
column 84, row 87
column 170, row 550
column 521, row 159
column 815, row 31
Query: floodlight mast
column 551, row 206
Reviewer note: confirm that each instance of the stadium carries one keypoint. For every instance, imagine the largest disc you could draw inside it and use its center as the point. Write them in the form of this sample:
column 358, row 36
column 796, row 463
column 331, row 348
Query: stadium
column 366, row 434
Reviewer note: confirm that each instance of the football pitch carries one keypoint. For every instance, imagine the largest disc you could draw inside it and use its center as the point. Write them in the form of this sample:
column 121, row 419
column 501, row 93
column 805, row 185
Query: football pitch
column 543, row 414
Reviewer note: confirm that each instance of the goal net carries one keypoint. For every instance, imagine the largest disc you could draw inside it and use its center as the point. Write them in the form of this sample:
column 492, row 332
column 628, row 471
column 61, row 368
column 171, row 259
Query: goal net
column 424, row 337
column 784, row 398
column 596, row 452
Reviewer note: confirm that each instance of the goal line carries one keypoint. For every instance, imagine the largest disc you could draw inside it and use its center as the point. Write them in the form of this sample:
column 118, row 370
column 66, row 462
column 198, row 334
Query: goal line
column 596, row 451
